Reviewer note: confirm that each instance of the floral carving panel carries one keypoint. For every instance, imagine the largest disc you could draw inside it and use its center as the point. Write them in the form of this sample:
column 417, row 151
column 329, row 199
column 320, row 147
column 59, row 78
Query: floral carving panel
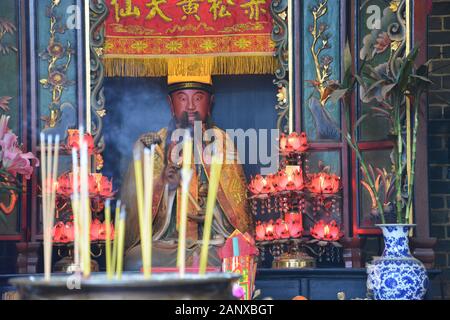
column 10, row 105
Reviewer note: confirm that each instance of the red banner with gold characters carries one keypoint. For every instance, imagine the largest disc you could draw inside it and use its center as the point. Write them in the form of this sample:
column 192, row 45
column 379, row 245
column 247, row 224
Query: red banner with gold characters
column 141, row 35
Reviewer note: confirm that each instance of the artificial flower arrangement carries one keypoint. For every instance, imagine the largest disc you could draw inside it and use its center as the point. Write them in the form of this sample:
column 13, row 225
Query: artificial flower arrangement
column 14, row 162
column 395, row 90
column 291, row 181
column 100, row 188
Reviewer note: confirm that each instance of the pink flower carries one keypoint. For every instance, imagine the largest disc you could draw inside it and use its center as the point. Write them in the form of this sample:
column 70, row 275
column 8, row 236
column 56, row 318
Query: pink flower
column 16, row 162
column 13, row 158
column 3, row 125
column 238, row 291
column 382, row 43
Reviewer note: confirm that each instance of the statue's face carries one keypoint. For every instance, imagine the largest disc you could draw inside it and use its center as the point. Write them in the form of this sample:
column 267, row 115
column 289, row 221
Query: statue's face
column 193, row 103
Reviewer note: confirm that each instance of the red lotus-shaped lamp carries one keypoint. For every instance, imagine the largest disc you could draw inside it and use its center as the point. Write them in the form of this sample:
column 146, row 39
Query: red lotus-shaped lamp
column 324, row 183
column 294, row 143
column 326, row 232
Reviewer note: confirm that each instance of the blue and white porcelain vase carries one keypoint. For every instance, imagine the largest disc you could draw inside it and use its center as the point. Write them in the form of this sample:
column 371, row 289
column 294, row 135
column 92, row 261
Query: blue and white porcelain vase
column 397, row 275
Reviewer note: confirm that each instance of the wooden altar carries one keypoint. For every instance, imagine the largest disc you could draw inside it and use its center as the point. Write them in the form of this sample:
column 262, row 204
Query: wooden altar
column 314, row 284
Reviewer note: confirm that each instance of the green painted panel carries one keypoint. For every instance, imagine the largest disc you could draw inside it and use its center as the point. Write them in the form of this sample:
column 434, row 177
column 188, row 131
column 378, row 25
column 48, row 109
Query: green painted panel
column 9, row 87
column 64, row 68
column 379, row 28
column 9, row 61
column 320, row 122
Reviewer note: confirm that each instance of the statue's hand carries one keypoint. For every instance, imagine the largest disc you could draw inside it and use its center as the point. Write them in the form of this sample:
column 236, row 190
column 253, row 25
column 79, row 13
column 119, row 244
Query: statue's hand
column 172, row 176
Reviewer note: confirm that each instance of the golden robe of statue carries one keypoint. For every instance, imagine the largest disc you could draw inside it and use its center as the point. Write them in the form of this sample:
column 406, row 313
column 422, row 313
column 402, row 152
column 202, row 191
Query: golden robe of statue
column 230, row 213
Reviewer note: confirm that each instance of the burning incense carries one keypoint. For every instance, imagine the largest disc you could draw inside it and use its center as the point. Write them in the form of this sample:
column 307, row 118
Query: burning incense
column 148, row 203
column 54, row 175
column 121, row 241
column 76, row 208
column 49, row 172
column 44, row 189
column 186, row 175
column 140, row 199
column 116, row 235
column 85, row 215
column 108, row 239
column 214, row 178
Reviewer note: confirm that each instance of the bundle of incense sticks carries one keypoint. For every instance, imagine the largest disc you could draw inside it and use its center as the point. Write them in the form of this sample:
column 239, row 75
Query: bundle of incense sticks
column 144, row 195
column 214, row 179
column 49, row 175
column 75, row 209
column 114, row 260
column 186, row 176
column 120, row 242
column 81, row 207
column 116, row 237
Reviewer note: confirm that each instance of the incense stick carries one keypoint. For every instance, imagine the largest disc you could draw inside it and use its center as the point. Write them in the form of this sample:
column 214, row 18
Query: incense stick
column 121, row 241
column 148, row 203
column 47, row 227
column 116, row 235
column 108, row 239
column 49, row 171
column 214, row 179
column 85, row 210
column 140, row 199
column 76, row 208
column 186, row 176
column 44, row 197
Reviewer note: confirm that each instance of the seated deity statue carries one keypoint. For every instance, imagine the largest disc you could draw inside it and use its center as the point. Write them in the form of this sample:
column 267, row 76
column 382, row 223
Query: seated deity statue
column 190, row 102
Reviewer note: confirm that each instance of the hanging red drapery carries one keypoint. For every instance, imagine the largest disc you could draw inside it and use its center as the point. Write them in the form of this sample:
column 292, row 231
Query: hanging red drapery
column 235, row 35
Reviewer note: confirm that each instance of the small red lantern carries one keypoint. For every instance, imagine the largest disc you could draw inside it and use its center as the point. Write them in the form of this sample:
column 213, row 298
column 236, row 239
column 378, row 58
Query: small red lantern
column 105, row 187
column 260, row 231
column 326, row 232
column 324, row 183
column 258, row 185
column 294, row 221
column 63, row 233
column 65, row 186
column 288, row 180
column 102, row 232
column 73, row 141
column 294, row 143
column 270, row 231
column 282, row 229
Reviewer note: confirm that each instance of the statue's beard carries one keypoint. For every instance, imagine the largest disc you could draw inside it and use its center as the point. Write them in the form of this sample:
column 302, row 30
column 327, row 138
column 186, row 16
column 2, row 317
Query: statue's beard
column 184, row 122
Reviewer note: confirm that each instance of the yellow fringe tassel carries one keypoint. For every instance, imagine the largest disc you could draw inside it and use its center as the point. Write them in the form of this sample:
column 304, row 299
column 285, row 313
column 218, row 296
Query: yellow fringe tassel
column 159, row 67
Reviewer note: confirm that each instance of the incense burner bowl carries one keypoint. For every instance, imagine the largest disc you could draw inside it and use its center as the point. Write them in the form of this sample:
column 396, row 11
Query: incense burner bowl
column 167, row 286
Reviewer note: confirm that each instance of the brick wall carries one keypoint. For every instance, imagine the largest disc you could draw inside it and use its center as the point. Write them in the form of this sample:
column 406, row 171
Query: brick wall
column 439, row 132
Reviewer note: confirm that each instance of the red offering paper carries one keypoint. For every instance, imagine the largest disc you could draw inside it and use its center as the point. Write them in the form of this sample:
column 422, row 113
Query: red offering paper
column 238, row 257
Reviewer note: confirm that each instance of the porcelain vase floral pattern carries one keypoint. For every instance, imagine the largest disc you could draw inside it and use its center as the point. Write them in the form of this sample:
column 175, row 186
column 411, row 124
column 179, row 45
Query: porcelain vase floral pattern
column 397, row 275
